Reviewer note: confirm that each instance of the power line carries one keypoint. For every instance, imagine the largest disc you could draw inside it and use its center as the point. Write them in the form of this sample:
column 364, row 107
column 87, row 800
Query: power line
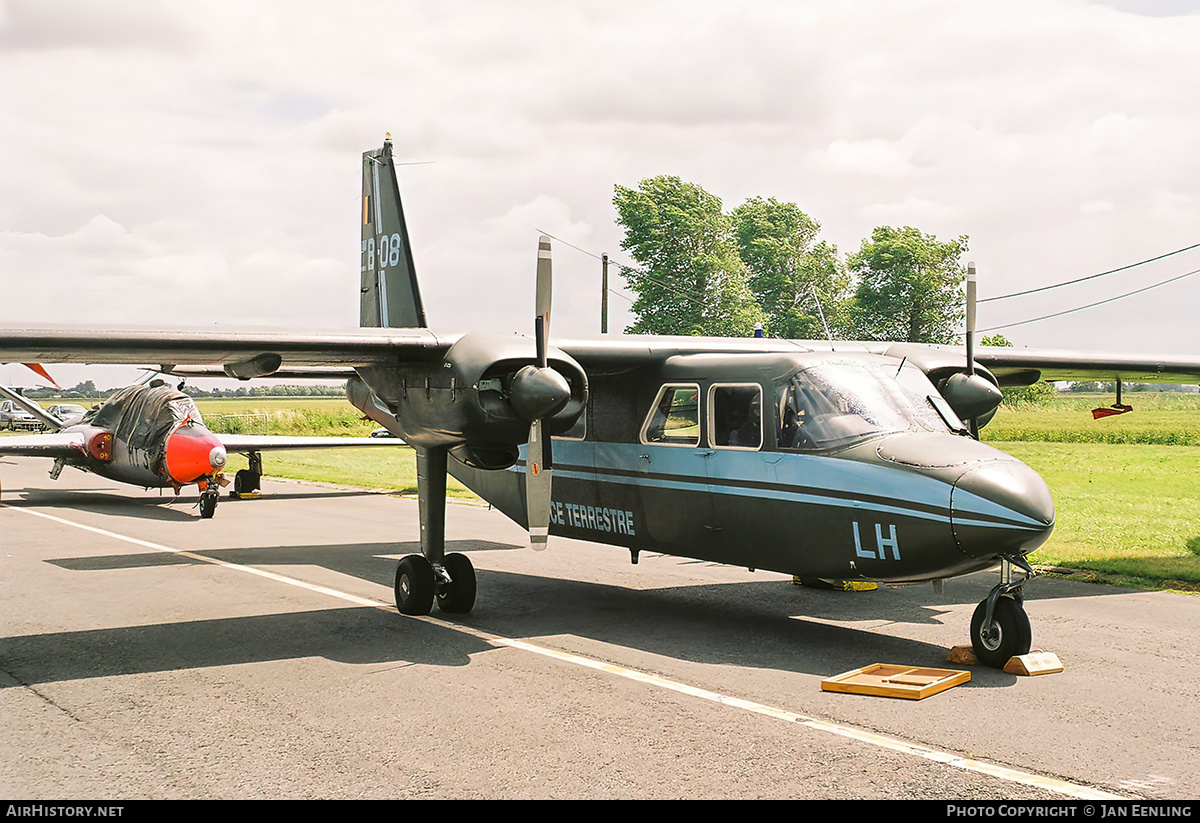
column 1093, row 305
column 629, row 269
column 1091, row 276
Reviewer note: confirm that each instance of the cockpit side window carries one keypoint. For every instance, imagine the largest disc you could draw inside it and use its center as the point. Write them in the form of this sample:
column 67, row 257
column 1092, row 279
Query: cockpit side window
column 838, row 403
column 674, row 418
column 735, row 416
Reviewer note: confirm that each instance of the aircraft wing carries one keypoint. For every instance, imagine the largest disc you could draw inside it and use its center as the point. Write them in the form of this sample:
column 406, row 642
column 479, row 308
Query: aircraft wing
column 259, row 443
column 247, row 353
column 243, row 353
column 1014, row 367
column 1071, row 365
column 61, row 444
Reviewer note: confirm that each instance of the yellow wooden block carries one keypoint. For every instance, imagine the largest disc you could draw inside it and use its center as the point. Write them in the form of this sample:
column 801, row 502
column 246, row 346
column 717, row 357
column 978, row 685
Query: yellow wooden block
column 1036, row 662
column 886, row 680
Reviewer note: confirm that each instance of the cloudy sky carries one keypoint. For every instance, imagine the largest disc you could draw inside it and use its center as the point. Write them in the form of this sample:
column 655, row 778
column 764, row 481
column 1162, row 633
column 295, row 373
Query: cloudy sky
column 197, row 164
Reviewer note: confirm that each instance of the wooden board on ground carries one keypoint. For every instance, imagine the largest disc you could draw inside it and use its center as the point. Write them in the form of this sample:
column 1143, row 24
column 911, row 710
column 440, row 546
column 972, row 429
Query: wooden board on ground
column 886, row 680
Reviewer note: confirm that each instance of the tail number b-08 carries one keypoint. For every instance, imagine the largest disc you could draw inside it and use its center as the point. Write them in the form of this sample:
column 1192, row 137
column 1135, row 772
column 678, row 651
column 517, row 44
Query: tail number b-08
column 388, row 249
column 882, row 544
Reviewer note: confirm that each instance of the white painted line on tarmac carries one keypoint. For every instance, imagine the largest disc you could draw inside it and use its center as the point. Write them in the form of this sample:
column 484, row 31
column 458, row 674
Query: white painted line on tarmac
column 881, row 741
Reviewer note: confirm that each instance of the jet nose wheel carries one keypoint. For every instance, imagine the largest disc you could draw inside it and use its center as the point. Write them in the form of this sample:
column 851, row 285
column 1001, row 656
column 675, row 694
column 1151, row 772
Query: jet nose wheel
column 208, row 503
column 1008, row 635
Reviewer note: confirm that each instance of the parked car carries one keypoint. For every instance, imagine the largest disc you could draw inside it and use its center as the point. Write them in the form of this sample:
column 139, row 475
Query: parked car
column 13, row 416
column 67, row 411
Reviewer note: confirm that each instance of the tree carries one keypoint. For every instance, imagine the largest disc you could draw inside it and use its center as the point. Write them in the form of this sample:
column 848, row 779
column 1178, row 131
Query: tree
column 692, row 280
column 909, row 286
column 794, row 279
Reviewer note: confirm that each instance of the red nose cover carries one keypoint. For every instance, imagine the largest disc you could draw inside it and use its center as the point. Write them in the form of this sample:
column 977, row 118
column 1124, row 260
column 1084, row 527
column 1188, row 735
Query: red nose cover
column 190, row 454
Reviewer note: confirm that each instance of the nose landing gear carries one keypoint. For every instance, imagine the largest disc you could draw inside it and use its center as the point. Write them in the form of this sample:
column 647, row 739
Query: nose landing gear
column 1000, row 627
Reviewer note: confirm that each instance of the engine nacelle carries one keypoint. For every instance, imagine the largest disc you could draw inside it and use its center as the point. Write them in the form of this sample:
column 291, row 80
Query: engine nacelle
column 974, row 396
column 465, row 401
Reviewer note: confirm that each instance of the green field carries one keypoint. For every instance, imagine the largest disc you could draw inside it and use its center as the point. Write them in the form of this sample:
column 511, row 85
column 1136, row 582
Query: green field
column 1125, row 487
column 394, row 469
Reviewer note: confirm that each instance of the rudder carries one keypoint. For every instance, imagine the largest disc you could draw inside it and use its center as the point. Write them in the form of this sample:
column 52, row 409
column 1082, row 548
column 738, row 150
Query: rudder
column 389, row 296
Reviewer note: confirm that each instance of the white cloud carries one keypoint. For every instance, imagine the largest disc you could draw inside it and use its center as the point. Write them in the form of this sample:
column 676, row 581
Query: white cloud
column 202, row 162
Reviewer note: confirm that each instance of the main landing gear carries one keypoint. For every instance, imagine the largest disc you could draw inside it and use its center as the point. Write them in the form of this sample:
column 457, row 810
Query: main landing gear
column 451, row 583
column 1000, row 628
column 433, row 574
column 248, row 481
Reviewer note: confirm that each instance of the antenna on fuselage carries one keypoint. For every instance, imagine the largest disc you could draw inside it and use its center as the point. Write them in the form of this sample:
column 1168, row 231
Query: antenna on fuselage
column 821, row 314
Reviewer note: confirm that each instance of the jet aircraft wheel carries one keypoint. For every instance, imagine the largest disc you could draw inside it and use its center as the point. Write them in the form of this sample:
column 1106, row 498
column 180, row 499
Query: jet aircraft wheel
column 1010, row 633
column 246, row 481
column 414, row 585
column 208, row 504
column 457, row 596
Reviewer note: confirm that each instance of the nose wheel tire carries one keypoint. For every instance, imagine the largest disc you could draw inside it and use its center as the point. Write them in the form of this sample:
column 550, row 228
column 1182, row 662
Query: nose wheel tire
column 1008, row 635
column 208, row 504
column 414, row 585
column 458, row 595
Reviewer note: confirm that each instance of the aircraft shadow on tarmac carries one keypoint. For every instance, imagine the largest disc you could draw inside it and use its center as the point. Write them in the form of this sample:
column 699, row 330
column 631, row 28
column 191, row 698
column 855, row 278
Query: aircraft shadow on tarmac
column 753, row 624
column 117, row 501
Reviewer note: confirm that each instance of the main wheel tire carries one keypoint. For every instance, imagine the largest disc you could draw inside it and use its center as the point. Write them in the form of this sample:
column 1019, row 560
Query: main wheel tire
column 208, row 505
column 1010, row 636
column 457, row 596
column 414, row 585
column 246, row 481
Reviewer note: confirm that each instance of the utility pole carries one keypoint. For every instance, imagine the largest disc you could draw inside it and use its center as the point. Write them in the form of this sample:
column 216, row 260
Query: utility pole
column 604, row 293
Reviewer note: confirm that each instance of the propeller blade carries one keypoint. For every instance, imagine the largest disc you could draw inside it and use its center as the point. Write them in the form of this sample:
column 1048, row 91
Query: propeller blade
column 542, row 302
column 973, row 423
column 537, row 486
column 970, row 318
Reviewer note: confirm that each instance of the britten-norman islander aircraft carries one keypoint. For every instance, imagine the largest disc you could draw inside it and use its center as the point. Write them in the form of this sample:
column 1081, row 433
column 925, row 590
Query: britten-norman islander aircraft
column 153, row 436
column 846, row 461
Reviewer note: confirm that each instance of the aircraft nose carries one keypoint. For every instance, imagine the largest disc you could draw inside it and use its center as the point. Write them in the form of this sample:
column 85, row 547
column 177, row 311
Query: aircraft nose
column 1001, row 508
column 193, row 452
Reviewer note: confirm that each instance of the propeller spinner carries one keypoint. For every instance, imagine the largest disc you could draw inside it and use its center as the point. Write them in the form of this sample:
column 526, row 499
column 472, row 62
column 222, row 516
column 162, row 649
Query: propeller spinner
column 538, row 393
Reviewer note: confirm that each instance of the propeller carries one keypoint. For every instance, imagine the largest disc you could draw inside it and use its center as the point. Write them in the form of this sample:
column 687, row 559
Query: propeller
column 974, row 422
column 972, row 396
column 539, row 392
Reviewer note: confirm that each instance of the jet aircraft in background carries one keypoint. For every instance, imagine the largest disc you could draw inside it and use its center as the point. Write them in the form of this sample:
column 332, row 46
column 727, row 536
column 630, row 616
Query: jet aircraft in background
column 847, row 460
column 153, row 436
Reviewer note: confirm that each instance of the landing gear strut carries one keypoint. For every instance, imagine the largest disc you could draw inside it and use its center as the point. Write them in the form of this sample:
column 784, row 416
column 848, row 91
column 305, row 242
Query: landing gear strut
column 434, row 575
column 1000, row 628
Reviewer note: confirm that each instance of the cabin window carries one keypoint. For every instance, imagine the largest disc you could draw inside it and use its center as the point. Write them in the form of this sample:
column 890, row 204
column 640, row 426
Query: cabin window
column 735, row 416
column 675, row 418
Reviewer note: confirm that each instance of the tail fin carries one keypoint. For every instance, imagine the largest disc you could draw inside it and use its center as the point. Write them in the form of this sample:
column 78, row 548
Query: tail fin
column 390, row 296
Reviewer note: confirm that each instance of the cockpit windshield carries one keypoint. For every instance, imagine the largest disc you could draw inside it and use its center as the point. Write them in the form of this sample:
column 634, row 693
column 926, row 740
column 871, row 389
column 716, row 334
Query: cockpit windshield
column 838, row 403
column 143, row 415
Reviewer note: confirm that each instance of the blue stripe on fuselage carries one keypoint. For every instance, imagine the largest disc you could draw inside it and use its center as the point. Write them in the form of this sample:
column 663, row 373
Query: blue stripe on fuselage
column 804, row 478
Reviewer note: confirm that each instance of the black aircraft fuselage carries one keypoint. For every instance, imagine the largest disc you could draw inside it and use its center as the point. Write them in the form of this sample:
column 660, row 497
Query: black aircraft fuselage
column 825, row 465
